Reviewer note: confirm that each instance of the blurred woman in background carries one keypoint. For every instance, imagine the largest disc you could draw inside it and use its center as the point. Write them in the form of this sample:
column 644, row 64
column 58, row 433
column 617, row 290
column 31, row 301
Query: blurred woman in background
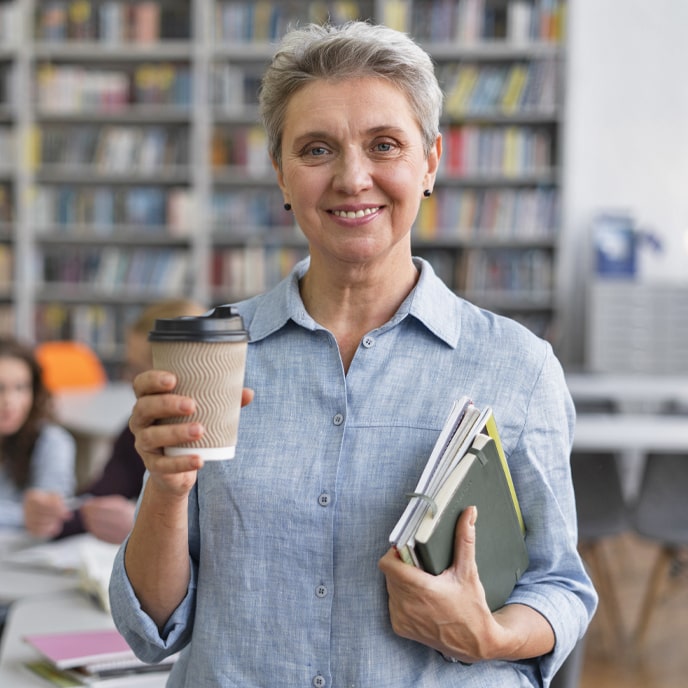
column 35, row 452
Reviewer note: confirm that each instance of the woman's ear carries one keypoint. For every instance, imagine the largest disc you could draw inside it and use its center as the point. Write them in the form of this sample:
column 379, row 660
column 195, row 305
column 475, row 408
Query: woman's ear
column 433, row 163
column 278, row 171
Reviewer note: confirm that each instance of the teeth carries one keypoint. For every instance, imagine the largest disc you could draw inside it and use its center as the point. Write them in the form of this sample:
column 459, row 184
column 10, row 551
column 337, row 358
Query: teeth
column 352, row 215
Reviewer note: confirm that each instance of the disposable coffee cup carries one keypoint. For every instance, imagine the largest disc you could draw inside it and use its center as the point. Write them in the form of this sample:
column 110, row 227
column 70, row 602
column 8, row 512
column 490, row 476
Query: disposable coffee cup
column 207, row 354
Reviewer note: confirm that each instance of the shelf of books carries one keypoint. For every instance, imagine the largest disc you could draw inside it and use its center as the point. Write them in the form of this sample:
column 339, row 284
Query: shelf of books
column 140, row 168
column 8, row 189
column 109, row 156
column 491, row 226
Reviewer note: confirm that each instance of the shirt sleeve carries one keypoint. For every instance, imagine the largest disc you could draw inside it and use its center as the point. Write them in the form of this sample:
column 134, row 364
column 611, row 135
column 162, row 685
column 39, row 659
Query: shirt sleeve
column 52, row 468
column 53, row 463
column 556, row 583
column 148, row 642
column 11, row 514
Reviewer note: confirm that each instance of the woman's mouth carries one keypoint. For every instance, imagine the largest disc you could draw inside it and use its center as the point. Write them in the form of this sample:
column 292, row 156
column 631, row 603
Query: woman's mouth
column 354, row 214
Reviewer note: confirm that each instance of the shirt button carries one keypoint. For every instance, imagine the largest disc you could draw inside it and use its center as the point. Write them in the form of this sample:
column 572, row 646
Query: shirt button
column 319, row 681
column 321, row 591
column 368, row 342
column 324, row 499
column 338, row 419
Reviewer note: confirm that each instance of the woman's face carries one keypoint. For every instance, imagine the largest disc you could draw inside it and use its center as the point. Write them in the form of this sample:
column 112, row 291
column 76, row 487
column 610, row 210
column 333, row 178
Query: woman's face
column 16, row 394
column 354, row 168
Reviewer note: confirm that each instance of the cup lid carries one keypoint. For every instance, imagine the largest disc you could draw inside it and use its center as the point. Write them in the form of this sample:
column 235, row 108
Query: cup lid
column 222, row 324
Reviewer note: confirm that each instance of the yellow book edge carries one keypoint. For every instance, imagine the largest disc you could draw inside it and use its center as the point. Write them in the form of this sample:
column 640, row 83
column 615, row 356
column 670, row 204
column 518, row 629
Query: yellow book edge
column 491, row 427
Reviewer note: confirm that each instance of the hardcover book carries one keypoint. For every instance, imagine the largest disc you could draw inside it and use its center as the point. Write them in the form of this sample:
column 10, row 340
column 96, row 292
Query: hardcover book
column 467, row 467
column 93, row 657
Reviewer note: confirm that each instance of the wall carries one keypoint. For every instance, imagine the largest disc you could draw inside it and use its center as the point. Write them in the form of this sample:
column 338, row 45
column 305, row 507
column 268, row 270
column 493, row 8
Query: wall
column 626, row 140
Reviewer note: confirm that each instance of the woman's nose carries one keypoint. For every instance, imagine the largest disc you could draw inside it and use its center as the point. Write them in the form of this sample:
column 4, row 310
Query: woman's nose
column 353, row 173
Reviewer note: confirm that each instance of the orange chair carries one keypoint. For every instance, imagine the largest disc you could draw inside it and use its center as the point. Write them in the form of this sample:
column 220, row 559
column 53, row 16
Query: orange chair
column 70, row 365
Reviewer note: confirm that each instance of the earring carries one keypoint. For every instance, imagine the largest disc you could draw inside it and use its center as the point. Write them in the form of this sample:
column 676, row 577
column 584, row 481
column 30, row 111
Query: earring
column 427, row 193
column 287, row 206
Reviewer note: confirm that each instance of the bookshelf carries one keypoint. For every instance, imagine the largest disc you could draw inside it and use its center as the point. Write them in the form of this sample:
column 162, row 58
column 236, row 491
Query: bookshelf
column 137, row 165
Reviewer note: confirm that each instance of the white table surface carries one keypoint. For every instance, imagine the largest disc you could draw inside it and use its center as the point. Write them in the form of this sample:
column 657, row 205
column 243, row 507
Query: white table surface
column 59, row 611
column 30, row 566
column 100, row 413
column 632, row 390
column 626, row 432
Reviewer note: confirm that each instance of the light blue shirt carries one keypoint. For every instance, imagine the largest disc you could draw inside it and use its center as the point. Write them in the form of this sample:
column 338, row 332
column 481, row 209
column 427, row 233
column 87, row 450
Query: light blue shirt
column 52, row 469
column 285, row 538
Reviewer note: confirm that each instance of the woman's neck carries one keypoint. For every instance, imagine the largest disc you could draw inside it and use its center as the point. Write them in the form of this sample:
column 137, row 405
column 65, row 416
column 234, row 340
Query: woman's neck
column 355, row 303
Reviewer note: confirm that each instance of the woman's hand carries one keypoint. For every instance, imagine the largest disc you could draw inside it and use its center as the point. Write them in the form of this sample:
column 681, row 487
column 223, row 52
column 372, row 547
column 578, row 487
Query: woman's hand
column 44, row 512
column 449, row 612
column 109, row 518
column 156, row 401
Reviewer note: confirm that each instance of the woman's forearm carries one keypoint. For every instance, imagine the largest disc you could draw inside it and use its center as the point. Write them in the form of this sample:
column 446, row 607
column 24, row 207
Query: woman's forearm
column 157, row 554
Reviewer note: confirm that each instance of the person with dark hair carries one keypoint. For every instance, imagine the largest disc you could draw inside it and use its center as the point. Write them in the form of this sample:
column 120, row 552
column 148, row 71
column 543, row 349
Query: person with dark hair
column 107, row 511
column 274, row 568
column 36, row 454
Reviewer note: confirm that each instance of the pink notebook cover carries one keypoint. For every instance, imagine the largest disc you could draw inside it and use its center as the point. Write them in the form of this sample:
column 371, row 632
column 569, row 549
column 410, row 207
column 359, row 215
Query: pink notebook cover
column 79, row 648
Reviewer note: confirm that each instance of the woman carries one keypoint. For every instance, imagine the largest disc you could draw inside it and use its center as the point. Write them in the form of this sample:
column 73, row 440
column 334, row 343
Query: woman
column 273, row 568
column 35, row 454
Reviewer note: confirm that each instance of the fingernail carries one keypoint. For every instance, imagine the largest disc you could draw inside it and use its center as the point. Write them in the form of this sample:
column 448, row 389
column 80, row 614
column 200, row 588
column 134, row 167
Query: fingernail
column 474, row 515
column 186, row 406
column 167, row 380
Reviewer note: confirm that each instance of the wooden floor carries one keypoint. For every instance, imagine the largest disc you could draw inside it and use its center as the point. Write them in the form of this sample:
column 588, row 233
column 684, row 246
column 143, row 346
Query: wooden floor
column 662, row 659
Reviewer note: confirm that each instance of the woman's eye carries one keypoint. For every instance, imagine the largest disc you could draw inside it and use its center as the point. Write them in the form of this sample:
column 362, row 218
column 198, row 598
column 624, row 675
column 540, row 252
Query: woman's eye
column 316, row 151
column 384, row 147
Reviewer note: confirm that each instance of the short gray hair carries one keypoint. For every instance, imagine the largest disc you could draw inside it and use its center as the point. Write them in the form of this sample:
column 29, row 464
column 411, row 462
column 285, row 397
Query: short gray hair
column 354, row 49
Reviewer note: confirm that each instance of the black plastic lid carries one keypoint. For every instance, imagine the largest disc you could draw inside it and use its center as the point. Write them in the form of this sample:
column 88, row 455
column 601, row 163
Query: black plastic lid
column 222, row 324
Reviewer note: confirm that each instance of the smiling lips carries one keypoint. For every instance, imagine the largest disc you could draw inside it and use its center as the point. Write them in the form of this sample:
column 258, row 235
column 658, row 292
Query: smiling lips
column 354, row 214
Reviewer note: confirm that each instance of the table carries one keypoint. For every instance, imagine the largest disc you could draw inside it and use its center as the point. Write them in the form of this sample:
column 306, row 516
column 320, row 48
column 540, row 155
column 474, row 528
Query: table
column 17, row 582
column 640, row 425
column 95, row 418
column 98, row 413
column 631, row 432
column 632, row 391
column 58, row 611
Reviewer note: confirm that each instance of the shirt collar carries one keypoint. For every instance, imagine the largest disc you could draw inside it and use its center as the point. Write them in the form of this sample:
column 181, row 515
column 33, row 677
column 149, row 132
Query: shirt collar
column 431, row 302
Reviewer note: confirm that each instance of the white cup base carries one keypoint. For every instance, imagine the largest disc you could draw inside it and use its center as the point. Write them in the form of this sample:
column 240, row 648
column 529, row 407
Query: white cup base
column 206, row 453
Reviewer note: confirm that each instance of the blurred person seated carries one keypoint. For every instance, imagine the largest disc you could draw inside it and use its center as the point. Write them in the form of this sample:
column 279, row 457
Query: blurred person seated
column 109, row 503
column 37, row 456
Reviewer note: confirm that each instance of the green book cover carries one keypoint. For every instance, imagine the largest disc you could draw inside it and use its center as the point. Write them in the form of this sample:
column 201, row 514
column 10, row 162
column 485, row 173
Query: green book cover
column 479, row 480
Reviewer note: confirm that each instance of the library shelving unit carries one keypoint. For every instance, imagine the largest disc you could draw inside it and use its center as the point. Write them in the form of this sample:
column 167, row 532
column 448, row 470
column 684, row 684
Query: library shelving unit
column 9, row 191
column 137, row 168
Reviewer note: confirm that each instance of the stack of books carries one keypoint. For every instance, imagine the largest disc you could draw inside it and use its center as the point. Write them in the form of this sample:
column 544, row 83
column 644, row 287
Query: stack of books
column 467, row 467
column 93, row 658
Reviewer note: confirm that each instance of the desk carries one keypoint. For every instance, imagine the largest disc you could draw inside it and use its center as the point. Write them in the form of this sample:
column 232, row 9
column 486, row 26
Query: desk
column 629, row 392
column 631, row 436
column 95, row 418
column 98, row 413
column 61, row 611
column 17, row 582
column 637, row 432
